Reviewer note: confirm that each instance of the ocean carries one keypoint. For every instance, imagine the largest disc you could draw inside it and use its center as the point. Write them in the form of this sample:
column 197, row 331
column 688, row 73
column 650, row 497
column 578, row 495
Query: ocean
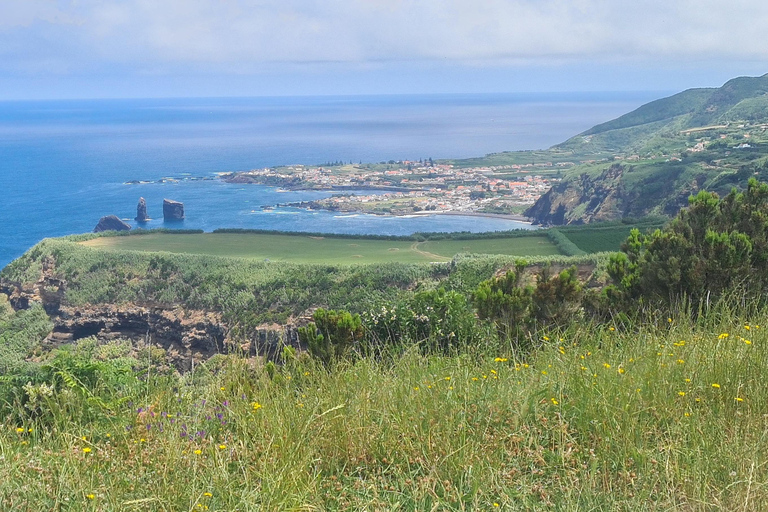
column 65, row 164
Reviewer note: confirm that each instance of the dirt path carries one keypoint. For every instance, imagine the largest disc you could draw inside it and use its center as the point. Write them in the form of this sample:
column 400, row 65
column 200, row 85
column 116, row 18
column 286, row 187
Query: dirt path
column 431, row 255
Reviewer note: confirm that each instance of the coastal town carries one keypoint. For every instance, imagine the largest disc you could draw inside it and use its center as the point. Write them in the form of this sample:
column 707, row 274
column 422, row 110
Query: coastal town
column 407, row 187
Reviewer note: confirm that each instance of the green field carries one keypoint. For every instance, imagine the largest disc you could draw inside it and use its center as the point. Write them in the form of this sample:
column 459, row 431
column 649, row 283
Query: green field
column 315, row 249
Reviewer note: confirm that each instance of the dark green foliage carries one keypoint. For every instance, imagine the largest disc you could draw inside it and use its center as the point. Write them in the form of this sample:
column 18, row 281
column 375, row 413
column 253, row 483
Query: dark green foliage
column 518, row 309
column 564, row 243
column 332, row 334
column 713, row 246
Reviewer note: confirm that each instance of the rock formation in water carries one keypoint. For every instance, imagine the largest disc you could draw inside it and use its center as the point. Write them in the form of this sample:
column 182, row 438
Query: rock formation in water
column 173, row 210
column 141, row 211
column 111, row 223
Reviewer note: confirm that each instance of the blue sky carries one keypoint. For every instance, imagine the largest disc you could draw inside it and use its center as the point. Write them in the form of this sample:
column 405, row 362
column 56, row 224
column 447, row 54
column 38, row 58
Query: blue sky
column 162, row 48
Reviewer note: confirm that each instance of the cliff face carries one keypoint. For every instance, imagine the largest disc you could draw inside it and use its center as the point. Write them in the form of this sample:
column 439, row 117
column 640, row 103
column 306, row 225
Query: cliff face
column 619, row 191
column 188, row 336
column 582, row 200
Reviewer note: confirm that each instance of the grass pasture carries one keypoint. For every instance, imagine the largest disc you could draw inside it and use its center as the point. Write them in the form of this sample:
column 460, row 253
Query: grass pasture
column 315, row 249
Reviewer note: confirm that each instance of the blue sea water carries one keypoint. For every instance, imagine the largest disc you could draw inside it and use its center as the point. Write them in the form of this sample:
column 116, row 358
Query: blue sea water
column 64, row 164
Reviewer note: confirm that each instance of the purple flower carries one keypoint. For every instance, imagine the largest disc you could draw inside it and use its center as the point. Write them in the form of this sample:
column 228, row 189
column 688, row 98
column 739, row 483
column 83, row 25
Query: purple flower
column 226, row 403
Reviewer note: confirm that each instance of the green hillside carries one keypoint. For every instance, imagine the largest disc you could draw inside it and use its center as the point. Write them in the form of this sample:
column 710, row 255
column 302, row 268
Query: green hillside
column 649, row 161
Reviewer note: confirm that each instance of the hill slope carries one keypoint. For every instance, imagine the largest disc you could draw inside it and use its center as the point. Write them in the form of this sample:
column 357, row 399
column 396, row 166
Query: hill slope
column 654, row 157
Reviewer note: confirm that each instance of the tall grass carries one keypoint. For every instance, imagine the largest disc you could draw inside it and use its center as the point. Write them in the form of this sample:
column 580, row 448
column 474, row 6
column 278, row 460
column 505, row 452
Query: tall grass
column 669, row 416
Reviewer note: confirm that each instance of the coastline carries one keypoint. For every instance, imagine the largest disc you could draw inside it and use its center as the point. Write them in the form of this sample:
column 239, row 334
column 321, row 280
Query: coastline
column 505, row 216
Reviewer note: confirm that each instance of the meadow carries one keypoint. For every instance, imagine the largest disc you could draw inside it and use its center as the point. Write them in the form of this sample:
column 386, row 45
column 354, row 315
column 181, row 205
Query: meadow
column 323, row 249
column 668, row 416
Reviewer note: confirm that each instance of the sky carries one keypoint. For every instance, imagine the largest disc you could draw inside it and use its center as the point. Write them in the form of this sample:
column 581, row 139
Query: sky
column 51, row 49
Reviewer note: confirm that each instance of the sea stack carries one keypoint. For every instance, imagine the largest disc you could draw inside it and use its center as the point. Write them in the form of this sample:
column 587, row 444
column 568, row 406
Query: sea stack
column 141, row 211
column 173, row 210
column 111, row 223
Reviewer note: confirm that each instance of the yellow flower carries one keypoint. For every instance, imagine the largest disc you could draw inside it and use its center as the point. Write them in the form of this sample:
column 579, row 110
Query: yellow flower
column 492, row 371
column 747, row 341
column 554, row 402
column 669, row 320
column 500, row 360
column 688, row 380
column 621, row 370
column 448, row 378
column 198, row 452
column 222, row 447
column 90, row 496
column 545, row 338
column 611, row 328
column 606, row 366
column 496, row 505
column 716, row 385
column 416, row 388
column 222, row 388
column 681, row 393
column 475, row 379
column 86, row 450
column 739, row 399
column 687, row 414
column 723, row 336
column 256, row 406
column 680, row 361
column 19, row 430
column 306, row 373
column 207, row 495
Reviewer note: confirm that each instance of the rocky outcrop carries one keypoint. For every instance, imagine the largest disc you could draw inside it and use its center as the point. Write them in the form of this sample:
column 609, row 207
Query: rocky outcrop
column 173, row 210
column 186, row 336
column 141, row 211
column 111, row 223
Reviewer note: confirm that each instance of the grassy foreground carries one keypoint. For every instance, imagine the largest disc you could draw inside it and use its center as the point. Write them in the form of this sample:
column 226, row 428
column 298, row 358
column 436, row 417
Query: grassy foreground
column 671, row 417
column 316, row 249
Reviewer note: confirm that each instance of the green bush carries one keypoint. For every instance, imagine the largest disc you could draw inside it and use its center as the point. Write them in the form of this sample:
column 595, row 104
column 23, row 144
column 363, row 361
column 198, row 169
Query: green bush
column 332, row 335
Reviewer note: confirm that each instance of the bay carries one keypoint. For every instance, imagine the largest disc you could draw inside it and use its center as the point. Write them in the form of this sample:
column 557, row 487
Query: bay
column 64, row 164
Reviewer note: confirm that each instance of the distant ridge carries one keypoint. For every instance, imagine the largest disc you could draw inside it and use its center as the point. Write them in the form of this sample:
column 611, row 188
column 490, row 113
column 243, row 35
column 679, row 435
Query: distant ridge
column 661, row 152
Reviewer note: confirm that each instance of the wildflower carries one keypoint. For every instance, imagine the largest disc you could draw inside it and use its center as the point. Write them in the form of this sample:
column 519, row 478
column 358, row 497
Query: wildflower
column 669, row 320
column 222, row 447
column 554, row 402
column 198, row 452
column 716, row 385
column 681, row 393
column 723, row 336
column 416, row 388
column 606, row 366
column 680, row 361
column 500, row 360
column 747, row 342
column 207, row 495
column 492, row 371
column 739, row 399
column 448, row 378
column 545, row 338
column 496, row 505
column 543, row 372
column 90, row 496
column 475, row 379
column 306, row 374
column 256, row 406
column 746, row 327
column 222, row 388
column 86, row 450
column 621, row 370
column 19, row 430
column 611, row 328
column 688, row 380
column 687, row 414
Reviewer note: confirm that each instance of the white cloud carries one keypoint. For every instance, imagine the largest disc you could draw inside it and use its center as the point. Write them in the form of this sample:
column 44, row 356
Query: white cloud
column 244, row 35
